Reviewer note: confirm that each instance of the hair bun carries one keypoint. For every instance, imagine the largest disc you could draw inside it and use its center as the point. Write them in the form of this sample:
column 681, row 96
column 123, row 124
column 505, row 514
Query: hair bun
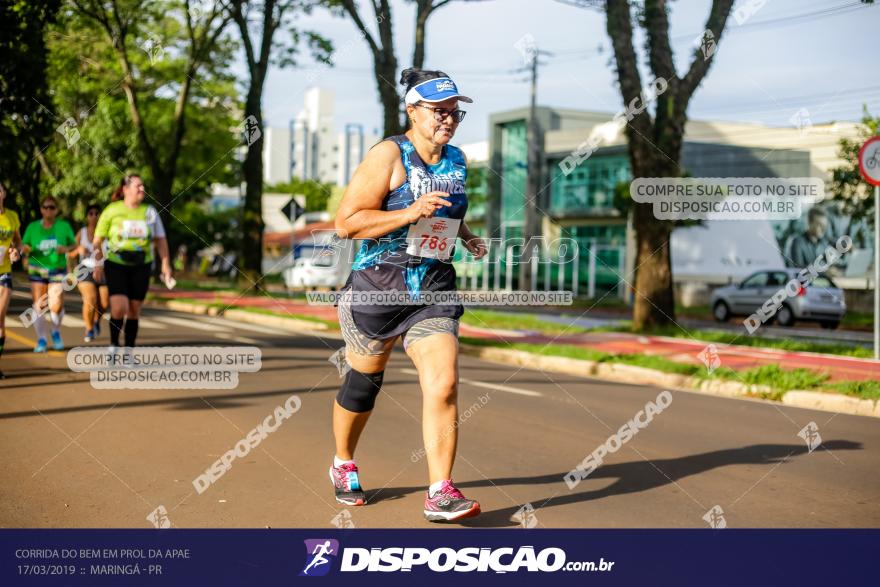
column 407, row 75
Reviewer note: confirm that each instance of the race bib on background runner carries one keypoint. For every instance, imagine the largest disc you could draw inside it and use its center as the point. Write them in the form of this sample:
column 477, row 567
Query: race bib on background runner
column 48, row 245
column 132, row 229
column 432, row 237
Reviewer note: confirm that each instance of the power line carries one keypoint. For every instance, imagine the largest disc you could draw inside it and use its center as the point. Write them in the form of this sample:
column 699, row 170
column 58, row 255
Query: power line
column 787, row 20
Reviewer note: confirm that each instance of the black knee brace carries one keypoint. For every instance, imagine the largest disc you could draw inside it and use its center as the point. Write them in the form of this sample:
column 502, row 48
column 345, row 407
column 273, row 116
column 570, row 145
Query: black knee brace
column 359, row 390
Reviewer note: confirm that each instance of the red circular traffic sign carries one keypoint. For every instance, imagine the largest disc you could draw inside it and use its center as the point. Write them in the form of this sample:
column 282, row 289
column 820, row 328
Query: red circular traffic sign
column 869, row 160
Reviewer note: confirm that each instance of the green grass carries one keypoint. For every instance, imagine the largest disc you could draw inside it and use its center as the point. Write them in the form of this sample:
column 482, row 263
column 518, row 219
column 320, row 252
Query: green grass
column 724, row 337
column 305, row 317
column 772, row 376
column 860, row 389
column 861, row 320
column 659, row 363
column 194, row 301
column 587, row 354
column 856, row 320
column 516, row 321
column 556, row 350
column 610, row 302
column 206, row 285
column 782, row 380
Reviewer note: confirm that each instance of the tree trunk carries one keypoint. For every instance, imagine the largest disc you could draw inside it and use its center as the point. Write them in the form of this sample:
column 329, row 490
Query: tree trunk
column 161, row 189
column 654, row 297
column 252, row 209
column 655, row 145
column 386, row 75
column 422, row 13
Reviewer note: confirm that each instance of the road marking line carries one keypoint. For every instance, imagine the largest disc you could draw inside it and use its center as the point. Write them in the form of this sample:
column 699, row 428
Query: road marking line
column 210, row 327
column 252, row 327
column 32, row 343
column 72, row 321
column 495, row 386
column 243, row 339
column 22, row 339
column 148, row 323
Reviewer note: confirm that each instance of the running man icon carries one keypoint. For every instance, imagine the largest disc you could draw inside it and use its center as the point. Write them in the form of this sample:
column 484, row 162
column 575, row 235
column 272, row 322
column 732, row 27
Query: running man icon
column 318, row 553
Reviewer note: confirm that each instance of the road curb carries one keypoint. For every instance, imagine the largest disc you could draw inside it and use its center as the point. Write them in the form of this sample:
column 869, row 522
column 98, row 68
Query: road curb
column 620, row 373
column 616, row 372
column 830, row 402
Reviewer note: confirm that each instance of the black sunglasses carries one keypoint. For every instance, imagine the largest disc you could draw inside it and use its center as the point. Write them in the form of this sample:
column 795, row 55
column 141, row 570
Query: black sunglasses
column 441, row 114
column 49, row 207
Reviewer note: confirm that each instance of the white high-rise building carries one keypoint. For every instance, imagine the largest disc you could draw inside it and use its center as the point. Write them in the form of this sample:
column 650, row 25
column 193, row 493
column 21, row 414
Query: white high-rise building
column 276, row 155
column 314, row 138
column 352, row 146
column 311, row 148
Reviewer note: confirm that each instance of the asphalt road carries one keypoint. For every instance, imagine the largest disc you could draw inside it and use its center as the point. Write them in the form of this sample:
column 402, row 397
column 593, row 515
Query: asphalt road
column 76, row 456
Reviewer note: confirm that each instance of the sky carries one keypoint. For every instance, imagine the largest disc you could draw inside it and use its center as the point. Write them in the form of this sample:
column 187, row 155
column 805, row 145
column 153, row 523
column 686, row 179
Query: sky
column 820, row 55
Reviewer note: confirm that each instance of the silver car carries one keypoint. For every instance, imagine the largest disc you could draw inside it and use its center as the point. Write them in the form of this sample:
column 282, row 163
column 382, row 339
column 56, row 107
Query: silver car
column 819, row 301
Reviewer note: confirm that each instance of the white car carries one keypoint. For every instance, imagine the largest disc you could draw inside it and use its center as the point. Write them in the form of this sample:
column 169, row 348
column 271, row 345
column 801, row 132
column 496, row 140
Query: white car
column 316, row 271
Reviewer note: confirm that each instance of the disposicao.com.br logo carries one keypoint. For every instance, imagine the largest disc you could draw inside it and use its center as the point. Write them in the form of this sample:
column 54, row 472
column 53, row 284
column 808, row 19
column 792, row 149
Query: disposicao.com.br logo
column 441, row 560
column 320, row 554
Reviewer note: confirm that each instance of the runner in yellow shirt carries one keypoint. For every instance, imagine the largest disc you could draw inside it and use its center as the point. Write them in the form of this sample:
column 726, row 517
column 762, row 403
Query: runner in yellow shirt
column 10, row 241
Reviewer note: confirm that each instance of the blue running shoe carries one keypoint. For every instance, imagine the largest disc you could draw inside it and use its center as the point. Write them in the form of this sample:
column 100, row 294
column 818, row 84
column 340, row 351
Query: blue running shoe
column 41, row 346
column 57, row 343
column 90, row 335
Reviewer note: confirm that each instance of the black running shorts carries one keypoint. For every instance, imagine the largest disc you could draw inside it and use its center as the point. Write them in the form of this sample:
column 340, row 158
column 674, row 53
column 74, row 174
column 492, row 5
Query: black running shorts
column 131, row 281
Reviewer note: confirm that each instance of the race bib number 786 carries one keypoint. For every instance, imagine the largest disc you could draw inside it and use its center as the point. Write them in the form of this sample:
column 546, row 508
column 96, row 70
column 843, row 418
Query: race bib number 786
column 432, row 237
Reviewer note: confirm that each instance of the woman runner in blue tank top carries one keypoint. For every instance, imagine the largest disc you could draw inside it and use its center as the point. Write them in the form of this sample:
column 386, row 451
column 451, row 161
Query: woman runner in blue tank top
column 407, row 203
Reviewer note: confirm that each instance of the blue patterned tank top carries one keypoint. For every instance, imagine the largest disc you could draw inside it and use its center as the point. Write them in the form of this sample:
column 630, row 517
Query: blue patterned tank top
column 383, row 264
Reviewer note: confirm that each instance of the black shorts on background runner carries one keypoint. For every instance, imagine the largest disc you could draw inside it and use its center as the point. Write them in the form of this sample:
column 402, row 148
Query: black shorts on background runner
column 127, row 280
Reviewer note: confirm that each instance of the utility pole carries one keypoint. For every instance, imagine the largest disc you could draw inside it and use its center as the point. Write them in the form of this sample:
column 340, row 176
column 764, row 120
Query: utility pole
column 534, row 164
column 873, row 180
column 869, row 168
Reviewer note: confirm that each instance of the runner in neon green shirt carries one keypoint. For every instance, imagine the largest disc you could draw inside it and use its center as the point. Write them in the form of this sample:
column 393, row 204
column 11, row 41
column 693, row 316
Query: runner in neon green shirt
column 10, row 241
column 131, row 229
column 49, row 246
column 47, row 242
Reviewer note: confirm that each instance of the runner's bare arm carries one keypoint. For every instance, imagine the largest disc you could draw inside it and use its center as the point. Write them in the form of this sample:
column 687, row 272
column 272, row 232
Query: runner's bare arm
column 162, row 249
column 472, row 242
column 81, row 250
column 15, row 252
column 359, row 215
column 98, row 271
column 96, row 245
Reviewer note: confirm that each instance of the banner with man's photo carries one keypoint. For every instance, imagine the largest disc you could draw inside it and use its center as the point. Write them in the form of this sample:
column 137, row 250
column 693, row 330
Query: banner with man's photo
column 801, row 241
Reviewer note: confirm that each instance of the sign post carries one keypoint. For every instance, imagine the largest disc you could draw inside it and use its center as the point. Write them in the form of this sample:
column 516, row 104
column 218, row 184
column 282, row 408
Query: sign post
column 869, row 165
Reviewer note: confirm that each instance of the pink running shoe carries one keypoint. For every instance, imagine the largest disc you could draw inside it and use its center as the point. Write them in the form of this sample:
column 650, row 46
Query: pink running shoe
column 348, row 486
column 449, row 504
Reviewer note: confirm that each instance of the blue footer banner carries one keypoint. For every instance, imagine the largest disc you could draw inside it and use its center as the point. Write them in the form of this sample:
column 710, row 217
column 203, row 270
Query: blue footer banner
column 434, row 557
